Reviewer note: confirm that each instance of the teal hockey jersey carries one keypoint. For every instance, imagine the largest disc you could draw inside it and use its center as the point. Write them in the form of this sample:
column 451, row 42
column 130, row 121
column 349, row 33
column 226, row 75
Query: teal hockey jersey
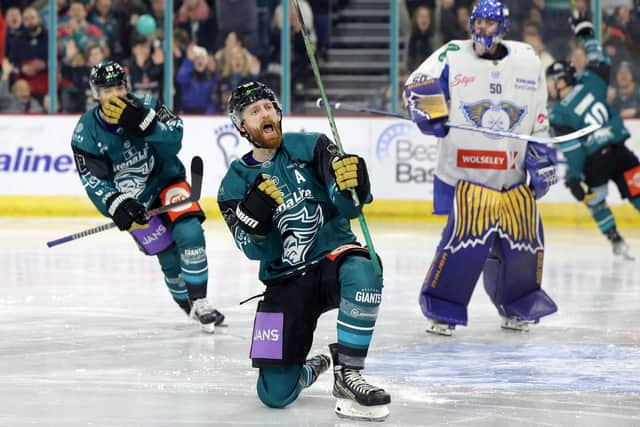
column 110, row 160
column 586, row 104
column 314, row 218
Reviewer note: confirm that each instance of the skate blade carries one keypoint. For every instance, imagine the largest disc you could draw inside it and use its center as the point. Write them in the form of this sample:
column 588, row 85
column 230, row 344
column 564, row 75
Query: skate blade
column 439, row 330
column 515, row 327
column 346, row 408
column 208, row 328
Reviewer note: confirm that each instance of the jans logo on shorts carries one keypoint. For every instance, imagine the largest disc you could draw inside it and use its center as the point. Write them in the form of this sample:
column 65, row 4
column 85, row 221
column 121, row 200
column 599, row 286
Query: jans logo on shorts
column 485, row 159
column 230, row 143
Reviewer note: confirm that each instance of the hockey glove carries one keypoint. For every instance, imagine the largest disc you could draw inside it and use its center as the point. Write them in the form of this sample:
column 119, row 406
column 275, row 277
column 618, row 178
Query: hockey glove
column 427, row 106
column 580, row 190
column 255, row 212
column 350, row 172
column 130, row 114
column 540, row 161
column 581, row 27
column 125, row 211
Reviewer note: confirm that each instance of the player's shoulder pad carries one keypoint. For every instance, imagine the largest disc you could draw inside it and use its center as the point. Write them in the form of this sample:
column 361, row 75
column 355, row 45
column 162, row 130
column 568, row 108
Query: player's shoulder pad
column 84, row 134
column 300, row 145
column 235, row 181
column 521, row 50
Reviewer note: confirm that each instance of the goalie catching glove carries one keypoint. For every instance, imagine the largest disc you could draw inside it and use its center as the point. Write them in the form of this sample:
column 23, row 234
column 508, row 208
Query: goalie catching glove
column 130, row 114
column 350, row 172
column 125, row 211
column 255, row 211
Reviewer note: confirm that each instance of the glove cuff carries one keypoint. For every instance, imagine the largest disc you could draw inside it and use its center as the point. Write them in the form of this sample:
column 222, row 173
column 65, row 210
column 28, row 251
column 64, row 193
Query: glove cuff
column 115, row 201
column 147, row 121
column 584, row 28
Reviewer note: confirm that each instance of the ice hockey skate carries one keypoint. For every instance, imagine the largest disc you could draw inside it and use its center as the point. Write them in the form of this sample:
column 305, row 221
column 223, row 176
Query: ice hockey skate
column 437, row 327
column 207, row 316
column 357, row 399
column 619, row 246
column 317, row 365
column 513, row 324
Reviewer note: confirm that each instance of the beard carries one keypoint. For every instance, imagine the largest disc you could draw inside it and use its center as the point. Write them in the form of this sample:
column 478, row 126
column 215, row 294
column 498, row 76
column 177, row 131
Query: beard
column 267, row 135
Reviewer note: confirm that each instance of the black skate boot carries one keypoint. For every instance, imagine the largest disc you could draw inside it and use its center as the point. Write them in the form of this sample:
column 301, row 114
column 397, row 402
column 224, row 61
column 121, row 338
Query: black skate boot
column 317, row 365
column 620, row 248
column 357, row 399
column 207, row 316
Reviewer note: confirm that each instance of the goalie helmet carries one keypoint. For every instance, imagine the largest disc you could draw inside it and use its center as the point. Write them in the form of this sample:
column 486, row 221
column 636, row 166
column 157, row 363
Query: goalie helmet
column 107, row 74
column 562, row 70
column 496, row 11
column 247, row 94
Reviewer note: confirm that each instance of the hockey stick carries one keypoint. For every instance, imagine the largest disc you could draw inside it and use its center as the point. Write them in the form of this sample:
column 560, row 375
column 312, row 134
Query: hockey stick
column 336, row 135
column 197, row 168
column 493, row 132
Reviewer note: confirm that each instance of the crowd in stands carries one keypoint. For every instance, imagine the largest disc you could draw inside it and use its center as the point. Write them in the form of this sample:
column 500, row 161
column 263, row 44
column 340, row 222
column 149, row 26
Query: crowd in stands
column 218, row 44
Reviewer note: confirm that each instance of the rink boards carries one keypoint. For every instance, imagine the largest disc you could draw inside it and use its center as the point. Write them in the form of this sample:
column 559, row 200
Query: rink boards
column 39, row 177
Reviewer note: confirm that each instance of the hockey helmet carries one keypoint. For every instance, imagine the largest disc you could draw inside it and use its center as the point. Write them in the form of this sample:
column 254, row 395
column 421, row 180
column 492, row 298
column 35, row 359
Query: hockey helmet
column 496, row 11
column 247, row 94
column 562, row 70
column 107, row 74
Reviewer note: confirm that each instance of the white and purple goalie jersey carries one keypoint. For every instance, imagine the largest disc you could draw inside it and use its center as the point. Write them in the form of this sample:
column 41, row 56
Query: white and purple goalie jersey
column 509, row 94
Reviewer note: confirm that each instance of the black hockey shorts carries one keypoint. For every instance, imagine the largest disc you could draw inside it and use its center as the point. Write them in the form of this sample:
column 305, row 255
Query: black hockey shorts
column 610, row 163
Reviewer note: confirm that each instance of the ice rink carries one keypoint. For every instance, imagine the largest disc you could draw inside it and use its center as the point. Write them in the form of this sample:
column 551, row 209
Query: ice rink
column 90, row 337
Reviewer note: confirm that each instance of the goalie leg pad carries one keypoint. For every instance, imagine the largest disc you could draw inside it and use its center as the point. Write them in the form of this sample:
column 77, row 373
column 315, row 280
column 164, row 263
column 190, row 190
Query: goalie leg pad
column 461, row 254
column 512, row 277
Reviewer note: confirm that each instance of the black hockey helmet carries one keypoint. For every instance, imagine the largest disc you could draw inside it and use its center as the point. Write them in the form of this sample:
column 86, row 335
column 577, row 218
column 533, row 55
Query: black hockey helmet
column 247, row 94
column 562, row 70
column 106, row 74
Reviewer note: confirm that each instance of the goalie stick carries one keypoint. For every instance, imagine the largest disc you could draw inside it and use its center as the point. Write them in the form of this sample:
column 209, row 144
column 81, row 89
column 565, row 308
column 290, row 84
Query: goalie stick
column 197, row 169
column 494, row 132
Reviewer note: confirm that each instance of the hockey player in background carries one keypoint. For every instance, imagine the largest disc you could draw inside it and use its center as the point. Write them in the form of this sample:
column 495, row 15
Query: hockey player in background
column 602, row 156
column 488, row 186
column 126, row 151
column 288, row 204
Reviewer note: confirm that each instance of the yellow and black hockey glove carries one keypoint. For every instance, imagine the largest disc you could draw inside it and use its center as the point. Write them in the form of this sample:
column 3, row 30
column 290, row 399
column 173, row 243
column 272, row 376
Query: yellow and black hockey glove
column 255, row 211
column 130, row 114
column 351, row 173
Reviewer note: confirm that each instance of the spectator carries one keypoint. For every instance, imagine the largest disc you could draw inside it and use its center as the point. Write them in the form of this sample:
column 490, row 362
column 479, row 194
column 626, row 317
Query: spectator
column 102, row 17
column 75, row 93
column 412, row 5
column 233, row 41
column 77, row 28
column 420, row 41
column 198, row 82
column 13, row 20
column 146, row 68
column 32, row 54
column 627, row 99
column 126, row 13
column 531, row 35
column 197, row 18
column 19, row 100
column 245, row 22
column 235, row 73
column 451, row 27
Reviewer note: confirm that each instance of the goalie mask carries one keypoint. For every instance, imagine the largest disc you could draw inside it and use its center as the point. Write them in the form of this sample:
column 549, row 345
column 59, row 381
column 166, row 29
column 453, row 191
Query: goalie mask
column 246, row 94
column 495, row 11
column 107, row 74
